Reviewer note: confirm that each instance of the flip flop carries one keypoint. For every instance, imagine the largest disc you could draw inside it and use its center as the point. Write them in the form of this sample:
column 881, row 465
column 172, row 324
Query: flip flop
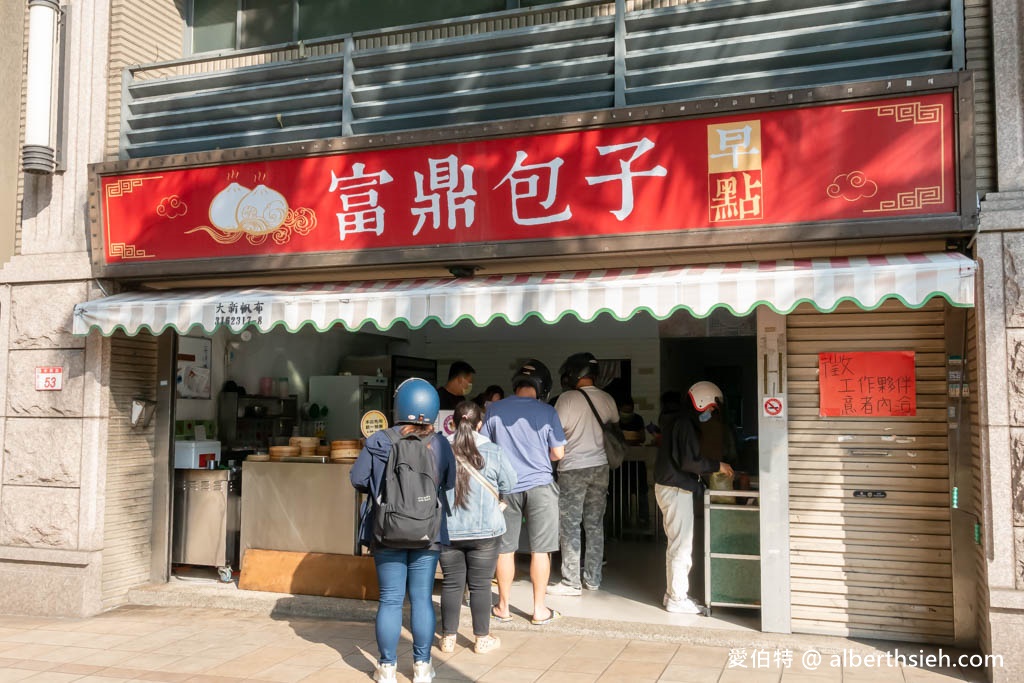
column 499, row 618
column 555, row 614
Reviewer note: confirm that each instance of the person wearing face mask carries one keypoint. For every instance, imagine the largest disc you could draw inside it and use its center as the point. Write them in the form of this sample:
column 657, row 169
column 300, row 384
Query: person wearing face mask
column 694, row 442
column 458, row 386
column 630, row 421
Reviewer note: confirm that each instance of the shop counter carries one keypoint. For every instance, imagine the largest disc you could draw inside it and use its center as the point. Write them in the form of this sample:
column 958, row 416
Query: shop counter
column 299, row 507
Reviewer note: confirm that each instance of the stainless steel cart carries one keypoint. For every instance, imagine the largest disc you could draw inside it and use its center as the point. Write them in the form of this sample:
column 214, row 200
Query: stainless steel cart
column 207, row 513
column 732, row 549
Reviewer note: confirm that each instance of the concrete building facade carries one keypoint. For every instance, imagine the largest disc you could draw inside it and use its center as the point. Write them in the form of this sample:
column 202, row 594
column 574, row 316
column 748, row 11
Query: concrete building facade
column 56, row 475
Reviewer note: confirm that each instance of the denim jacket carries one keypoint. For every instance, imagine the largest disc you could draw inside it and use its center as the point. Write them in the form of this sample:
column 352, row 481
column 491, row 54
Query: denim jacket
column 368, row 473
column 482, row 518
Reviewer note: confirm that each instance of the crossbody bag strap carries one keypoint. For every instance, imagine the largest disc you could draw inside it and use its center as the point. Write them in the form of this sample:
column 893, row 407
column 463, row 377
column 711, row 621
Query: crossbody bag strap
column 475, row 473
column 597, row 416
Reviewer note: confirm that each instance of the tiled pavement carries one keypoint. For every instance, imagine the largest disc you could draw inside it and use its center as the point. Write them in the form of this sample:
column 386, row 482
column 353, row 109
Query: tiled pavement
column 197, row 644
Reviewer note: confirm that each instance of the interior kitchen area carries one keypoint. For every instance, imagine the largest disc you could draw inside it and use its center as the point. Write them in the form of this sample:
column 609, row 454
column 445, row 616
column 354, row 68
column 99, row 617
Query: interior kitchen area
column 269, row 430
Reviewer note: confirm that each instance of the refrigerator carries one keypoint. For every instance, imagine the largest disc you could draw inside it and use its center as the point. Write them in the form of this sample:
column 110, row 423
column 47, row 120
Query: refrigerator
column 347, row 398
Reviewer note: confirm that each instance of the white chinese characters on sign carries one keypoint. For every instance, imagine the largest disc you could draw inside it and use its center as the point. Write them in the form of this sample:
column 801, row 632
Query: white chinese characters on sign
column 626, row 174
column 734, row 171
column 444, row 177
column 359, row 200
column 448, row 189
column 734, row 143
column 525, row 181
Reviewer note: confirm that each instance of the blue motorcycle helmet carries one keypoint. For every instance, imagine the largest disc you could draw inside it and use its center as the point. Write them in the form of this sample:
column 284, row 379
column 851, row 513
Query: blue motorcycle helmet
column 416, row 402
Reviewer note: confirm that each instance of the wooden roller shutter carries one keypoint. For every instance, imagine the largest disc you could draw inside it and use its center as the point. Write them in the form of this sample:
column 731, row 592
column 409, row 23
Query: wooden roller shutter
column 872, row 568
column 128, row 517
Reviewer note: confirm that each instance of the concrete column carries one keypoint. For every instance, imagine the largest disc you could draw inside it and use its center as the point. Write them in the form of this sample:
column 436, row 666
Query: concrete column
column 773, row 475
column 1000, row 249
column 53, row 443
column 1001, row 385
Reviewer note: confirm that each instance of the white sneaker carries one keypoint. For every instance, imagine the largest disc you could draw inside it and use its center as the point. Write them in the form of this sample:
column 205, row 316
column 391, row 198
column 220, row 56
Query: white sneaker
column 386, row 673
column 422, row 672
column 563, row 589
column 685, row 606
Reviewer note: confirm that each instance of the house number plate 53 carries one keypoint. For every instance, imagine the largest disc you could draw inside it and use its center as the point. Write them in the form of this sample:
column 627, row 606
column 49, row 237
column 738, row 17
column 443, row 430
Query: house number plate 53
column 49, row 379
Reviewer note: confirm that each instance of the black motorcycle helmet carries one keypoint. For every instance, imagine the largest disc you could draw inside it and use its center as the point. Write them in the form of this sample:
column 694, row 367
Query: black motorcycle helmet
column 576, row 367
column 535, row 374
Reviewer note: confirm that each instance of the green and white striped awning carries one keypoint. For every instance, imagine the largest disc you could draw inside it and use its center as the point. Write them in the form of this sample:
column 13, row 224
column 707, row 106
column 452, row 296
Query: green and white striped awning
column 660, row 291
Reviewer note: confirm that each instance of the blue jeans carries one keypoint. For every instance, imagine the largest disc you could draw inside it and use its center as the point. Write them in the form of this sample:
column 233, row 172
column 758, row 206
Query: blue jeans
column 396, row 570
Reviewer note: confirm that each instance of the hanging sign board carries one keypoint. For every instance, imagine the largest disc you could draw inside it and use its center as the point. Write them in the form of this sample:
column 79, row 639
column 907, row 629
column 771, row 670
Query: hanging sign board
column 867, row 384
column 882, row 159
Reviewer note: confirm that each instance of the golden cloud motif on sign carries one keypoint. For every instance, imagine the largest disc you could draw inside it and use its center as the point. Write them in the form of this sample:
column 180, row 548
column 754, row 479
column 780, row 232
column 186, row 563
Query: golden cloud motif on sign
column 256, row 214
column 171, row 207
column 852, row 186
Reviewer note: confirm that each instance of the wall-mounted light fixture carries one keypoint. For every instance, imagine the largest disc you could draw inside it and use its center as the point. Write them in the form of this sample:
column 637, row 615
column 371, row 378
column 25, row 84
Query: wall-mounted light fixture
column 142, row 413
column 45, row 48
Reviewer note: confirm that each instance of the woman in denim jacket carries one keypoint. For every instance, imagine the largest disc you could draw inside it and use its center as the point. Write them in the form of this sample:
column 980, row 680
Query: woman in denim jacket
column 474, row 528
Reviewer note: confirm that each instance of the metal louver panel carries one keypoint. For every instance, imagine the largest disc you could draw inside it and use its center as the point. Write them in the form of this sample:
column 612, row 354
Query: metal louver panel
column 547, row 65
column 128, row 519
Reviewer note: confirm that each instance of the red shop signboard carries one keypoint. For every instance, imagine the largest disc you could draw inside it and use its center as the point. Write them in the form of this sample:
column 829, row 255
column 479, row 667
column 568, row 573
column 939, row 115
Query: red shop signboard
column 867, row 384
column 875, row 159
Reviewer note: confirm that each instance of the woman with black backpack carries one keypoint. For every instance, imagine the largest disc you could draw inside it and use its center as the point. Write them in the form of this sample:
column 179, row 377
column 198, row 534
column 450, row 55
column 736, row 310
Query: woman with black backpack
column 475, row 528
column 406, row 471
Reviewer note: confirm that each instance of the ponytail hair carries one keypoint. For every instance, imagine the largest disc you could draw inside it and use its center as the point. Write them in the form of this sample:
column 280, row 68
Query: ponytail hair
column 466, row 416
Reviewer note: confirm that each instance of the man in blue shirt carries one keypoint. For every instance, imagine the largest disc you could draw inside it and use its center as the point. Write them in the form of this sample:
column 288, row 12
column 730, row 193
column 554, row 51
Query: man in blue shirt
column 531, row 435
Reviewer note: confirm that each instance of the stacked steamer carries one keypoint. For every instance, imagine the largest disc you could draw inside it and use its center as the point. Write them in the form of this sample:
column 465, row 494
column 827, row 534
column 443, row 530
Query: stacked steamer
column 283, row 452
column 346, row 451
column 306, row 444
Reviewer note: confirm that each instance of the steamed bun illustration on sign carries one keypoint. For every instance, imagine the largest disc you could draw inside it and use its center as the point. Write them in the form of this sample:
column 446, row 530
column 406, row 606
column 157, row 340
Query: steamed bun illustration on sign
column 257, row 214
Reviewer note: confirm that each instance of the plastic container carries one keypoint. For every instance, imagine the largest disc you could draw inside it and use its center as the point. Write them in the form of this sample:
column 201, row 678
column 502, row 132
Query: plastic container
column 267, row 386
column 282, row 387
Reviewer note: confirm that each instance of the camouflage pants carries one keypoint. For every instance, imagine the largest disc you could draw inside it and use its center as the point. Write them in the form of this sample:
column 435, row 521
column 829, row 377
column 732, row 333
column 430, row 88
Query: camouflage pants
column 583, row 495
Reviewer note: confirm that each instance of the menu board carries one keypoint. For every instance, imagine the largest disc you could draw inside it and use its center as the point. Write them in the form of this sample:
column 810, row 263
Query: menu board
column 867, row 384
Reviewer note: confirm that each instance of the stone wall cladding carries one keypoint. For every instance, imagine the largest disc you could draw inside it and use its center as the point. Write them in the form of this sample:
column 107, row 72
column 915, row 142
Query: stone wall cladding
column 39, row 517
column 43, row 452
column 1013, row 249
column 1015, row 375
column 1018, row 544
column 41, row 315
column 22, row 398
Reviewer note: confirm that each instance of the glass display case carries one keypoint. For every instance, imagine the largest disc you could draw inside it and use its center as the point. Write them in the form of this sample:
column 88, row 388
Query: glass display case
column 732, row 549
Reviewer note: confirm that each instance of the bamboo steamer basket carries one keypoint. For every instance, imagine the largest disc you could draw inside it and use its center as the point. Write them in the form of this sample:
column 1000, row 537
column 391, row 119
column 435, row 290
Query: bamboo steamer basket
column 304, row 441
column 284, row 451
column 349, row 443
column 307, row 450
column 344, row 454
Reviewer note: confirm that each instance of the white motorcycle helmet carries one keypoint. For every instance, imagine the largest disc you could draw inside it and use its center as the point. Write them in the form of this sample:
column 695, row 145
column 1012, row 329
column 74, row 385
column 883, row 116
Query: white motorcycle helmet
column 705, row 396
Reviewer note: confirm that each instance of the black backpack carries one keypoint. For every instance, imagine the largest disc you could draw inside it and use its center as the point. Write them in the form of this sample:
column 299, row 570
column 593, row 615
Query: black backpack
column 409, row 509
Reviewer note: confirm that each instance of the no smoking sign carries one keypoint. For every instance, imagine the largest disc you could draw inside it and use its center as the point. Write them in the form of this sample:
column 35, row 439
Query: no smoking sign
column 772, row 406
